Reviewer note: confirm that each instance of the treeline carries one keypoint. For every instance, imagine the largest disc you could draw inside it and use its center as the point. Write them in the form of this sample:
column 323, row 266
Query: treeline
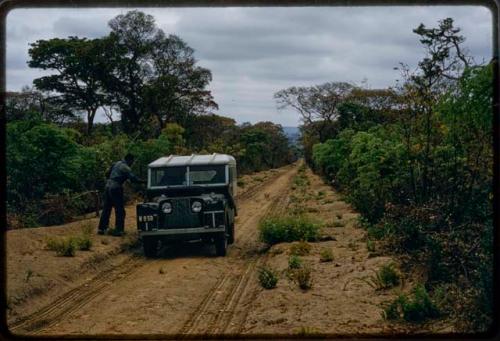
column 155, row 97
column 416, row 161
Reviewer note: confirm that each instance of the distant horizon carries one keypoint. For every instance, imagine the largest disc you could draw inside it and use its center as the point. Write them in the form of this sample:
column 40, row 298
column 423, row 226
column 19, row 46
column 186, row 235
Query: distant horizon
column 255, row 52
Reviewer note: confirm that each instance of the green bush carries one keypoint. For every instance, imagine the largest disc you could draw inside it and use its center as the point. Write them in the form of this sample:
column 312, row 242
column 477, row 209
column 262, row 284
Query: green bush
column 268, row 277
column 279, row 229
column 386, row 277
column 417, row 307
column 84, row 242
column 294, row 262
column 65, row 246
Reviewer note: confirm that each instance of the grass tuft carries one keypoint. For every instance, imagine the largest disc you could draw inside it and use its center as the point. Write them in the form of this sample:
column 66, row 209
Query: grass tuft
column 301, row 248
column 290, row 228
column 63, row 246
column 294, row 262
column 415, row 308
column 303, row 277
column 268, row 277
column 326, row 255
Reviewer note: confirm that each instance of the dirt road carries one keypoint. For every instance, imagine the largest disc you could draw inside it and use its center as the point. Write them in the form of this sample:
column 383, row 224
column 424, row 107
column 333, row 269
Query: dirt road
column 188, row 291
column 185, row 291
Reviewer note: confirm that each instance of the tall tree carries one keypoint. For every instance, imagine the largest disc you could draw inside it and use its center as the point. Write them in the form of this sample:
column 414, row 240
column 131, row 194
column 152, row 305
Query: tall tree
column 317, row 105
column 128, row 49
column 76, row 82
column 150, row 74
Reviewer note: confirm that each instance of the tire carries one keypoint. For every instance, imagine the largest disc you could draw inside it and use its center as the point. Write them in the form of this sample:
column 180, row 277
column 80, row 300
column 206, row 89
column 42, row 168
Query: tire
column 230, row 239
column 221, row 245
column 150, row 246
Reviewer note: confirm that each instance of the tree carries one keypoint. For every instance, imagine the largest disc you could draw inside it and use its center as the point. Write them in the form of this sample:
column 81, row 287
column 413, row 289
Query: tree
column 76, row 84
column 437, row 74
column 31, row 104
column 178, row 88
column 127, row 52
column 317, row 105
column 150, row 74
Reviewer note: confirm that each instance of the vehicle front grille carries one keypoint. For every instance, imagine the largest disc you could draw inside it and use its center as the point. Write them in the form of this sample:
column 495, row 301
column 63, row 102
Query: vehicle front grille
column 181, row 216
column 216, row 217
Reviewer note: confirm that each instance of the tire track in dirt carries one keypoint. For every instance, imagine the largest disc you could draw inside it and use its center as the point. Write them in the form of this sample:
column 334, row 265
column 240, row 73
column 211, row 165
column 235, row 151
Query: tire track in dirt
column 222, row 304
column 75, row 298
column 83, row 294
column 236, row 317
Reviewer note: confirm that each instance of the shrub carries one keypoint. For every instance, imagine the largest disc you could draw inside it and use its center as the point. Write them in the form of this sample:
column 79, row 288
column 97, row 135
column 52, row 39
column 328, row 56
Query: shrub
column 294, row 262
column 415, row 308
column 386, row 277
column 63, row 246
column 303, row 278
column 268, row 277
column 301, row 248
column 84, row 242
column 326, row 255
column 275, row 230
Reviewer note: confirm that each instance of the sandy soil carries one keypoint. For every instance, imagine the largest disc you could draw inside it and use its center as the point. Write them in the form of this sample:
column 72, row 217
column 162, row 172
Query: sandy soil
column 43, row 288
column 113, row 289
column 340, row 301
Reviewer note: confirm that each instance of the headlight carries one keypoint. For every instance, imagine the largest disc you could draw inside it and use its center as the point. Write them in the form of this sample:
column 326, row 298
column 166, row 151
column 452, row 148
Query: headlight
column 166, row 207
column 196, row 206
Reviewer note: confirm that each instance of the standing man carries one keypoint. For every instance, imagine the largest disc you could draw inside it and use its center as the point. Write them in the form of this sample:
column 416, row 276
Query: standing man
column 113, row 194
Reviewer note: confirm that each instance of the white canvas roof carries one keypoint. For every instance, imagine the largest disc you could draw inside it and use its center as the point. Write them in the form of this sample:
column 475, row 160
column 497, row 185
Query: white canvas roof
column 190, row 160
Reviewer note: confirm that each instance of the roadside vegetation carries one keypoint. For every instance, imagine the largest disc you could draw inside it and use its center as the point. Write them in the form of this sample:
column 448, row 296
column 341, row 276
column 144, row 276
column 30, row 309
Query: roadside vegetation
column 290, row 228
column 57, row 155
column 268, row 277
column 415, row 161
column 68, row 245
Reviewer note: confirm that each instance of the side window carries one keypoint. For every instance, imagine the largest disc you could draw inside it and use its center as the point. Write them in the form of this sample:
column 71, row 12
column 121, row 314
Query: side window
column 232, row 174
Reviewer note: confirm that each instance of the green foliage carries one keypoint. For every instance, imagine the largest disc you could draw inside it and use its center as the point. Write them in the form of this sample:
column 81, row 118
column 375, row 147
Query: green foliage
column 279, row 229
column 416, row 308
column 65, row 246
column 84, row 242
column 294, row 262
column 386, row 277
column 268, row 277
column 416, row 163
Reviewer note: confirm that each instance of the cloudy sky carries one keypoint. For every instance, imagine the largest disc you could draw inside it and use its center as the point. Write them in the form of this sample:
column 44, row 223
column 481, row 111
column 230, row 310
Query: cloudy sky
column 254, row 52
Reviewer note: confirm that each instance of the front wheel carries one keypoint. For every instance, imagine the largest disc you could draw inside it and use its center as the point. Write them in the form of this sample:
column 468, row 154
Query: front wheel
column 150, row 246
column 221, row 245
column 231, row 234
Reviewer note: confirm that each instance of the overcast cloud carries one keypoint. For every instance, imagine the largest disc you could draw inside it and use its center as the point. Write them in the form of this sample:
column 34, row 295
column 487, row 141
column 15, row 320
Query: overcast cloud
column 254, row 52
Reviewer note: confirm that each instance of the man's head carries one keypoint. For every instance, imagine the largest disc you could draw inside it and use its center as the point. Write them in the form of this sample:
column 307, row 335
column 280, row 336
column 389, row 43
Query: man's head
column 129, row 159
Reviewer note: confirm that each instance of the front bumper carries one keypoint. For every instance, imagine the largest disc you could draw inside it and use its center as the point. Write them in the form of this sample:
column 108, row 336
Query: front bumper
column 182, row 231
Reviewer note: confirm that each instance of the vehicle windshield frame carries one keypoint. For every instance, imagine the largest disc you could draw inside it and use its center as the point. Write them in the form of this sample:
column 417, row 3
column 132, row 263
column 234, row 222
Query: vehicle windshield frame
column 187, row 176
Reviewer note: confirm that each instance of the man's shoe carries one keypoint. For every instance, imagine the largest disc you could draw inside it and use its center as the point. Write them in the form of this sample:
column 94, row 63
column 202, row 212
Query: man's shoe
column 101, row 231
column 117, row 233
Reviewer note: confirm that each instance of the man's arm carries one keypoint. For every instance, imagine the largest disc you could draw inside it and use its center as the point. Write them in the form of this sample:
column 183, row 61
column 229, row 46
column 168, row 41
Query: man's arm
column 134, row 178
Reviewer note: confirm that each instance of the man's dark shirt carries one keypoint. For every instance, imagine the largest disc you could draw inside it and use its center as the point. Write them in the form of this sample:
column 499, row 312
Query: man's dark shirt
column 119, row 173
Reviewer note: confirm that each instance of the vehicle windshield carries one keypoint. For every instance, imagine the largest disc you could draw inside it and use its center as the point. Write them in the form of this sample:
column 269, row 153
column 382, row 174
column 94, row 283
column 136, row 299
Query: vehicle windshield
column 206, row 175
column 198, row 175
column 168, row 176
